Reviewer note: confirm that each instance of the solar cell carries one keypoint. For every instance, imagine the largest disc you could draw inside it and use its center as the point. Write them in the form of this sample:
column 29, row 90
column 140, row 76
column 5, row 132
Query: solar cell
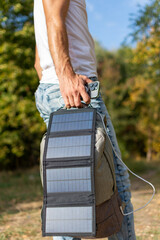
column 68, row 166
column 69, row 219
column 77, row 179
column 72, row 121
column 72, row 146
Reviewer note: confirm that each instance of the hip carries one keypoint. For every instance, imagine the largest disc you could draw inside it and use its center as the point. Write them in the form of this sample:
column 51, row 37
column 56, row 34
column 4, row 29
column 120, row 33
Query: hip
column 48, row 99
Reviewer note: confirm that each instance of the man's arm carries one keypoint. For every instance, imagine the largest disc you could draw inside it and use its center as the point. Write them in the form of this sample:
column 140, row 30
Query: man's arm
column 37, row 64
column 71, row 84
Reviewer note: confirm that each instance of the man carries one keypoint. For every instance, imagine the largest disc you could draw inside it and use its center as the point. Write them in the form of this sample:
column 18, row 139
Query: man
column 65, row 60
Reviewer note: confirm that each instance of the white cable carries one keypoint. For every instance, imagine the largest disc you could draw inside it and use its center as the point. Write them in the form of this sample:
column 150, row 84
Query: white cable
column 131, row 172
column 127, row 168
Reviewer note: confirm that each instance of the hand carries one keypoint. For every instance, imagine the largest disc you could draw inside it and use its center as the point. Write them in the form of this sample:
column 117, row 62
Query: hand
column 72, row 88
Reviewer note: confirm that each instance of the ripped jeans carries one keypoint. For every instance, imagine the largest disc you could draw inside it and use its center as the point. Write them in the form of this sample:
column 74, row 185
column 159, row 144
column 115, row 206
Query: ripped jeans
column 49, row 99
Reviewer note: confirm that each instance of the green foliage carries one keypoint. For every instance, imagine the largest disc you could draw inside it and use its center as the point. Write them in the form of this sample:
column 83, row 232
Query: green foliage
column 20, row 125
column 129, row 84
column 130, row 80
column 148, row 18
column 116, row 70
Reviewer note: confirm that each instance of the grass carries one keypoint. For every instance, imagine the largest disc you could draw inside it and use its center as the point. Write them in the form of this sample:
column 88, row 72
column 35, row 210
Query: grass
column 21, row 201
column 20, row 186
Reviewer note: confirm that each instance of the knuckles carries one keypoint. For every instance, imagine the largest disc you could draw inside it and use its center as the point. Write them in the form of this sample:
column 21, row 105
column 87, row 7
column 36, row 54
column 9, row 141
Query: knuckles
column 72, row 94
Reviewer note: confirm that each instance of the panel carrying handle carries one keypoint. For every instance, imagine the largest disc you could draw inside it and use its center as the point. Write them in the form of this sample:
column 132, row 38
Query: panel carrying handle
column 84, row 106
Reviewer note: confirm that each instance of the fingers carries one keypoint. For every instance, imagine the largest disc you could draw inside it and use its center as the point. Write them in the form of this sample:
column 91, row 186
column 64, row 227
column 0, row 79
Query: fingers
column 86, row 79
column 72, row 91
column 85, row 96
column 66, row 101
column 77, row 100
column 73, row 101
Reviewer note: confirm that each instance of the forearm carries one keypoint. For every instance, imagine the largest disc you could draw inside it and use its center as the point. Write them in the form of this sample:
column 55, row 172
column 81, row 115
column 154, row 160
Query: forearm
column 71, row 84
column 59, row 49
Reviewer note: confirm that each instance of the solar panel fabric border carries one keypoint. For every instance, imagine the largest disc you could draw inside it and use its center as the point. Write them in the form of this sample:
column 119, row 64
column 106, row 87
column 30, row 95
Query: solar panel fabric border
column 68, row 174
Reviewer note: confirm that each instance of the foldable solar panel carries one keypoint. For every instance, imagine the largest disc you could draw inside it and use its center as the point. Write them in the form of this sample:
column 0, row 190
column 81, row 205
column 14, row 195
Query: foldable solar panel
column 68, row 174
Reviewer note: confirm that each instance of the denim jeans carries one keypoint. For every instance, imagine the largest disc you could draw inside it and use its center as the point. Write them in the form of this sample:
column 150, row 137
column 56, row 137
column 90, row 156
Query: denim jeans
column 49, row 99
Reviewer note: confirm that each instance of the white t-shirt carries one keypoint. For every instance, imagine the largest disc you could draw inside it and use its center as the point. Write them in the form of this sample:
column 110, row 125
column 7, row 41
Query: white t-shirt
column 81, row 44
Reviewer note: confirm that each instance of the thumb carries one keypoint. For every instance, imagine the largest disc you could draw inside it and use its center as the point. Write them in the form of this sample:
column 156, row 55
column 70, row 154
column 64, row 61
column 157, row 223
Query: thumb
column 87, row 80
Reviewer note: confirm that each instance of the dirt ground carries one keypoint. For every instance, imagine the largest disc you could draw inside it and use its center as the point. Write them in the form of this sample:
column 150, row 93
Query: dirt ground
column 147, row 220
column 20, row 219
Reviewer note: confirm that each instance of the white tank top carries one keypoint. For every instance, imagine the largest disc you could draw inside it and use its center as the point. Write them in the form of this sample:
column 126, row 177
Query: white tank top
column 81, row 44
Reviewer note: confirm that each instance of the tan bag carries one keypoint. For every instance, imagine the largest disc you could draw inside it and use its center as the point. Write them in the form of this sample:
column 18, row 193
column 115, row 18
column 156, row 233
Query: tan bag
column 108, row 214
column 108, row 202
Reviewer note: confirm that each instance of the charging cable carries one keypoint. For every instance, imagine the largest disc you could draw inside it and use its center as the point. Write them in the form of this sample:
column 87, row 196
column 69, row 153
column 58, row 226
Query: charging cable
column 127, row 168
column 130, row 171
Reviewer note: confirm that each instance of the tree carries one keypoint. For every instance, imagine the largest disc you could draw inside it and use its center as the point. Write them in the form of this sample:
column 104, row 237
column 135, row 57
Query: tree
column 21, row 127
column 144, row 93
column 130, row 79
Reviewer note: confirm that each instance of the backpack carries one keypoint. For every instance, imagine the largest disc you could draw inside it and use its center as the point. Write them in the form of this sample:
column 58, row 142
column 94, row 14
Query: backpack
column 108, row 204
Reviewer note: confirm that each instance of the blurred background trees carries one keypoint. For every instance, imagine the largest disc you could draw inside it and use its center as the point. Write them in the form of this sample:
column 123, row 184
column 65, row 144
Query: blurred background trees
column 131, row 86
column 130, row 83
column 20, row 125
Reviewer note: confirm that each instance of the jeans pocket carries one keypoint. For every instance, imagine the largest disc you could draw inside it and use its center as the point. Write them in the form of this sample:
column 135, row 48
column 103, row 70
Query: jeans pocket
column 47, row 100
column 52, row 90
column 52, row 97
column 38, row 101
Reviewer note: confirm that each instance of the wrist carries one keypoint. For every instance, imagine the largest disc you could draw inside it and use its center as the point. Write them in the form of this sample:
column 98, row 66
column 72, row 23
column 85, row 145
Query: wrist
column 66, row 73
